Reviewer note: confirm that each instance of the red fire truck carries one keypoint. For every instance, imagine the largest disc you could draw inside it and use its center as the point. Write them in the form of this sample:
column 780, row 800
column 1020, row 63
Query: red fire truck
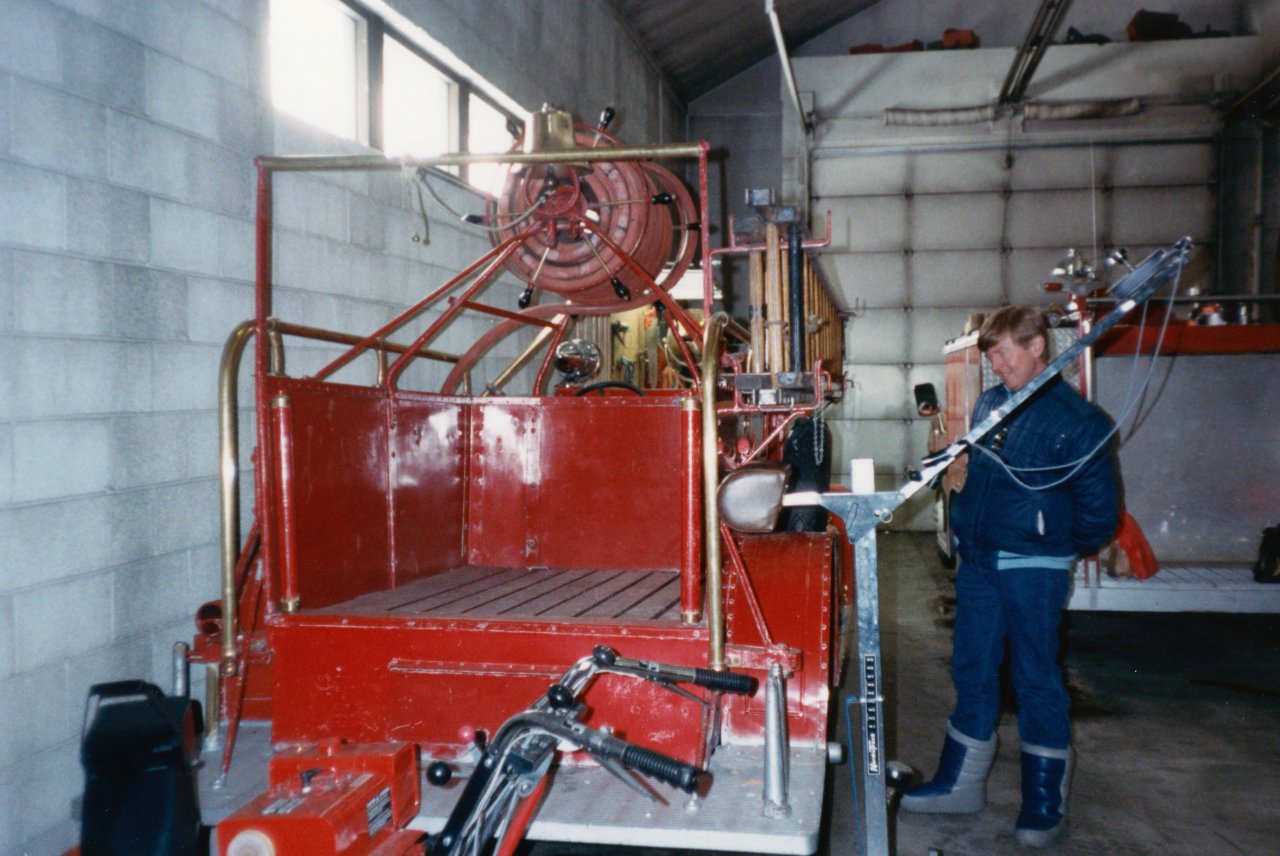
column 424, row 561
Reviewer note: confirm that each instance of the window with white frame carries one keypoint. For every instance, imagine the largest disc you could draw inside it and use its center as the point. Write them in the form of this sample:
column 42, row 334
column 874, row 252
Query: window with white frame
column 419, row 113
column 339, row 67
column 317, row 59
column 487, row 134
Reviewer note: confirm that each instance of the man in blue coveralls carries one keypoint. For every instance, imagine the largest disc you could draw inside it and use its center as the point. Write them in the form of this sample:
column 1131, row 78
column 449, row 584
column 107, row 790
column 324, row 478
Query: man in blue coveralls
column 1040, row 492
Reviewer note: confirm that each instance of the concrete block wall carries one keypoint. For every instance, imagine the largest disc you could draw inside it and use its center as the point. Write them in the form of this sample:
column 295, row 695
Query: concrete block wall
column 126, row 257
column 125, row 165
column 575, row 54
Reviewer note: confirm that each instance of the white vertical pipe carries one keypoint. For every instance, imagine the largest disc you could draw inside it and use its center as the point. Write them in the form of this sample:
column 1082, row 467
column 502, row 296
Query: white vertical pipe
column 787, row 72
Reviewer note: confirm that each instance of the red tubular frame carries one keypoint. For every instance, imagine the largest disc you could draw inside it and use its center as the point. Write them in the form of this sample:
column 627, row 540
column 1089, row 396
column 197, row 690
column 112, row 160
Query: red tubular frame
column 503, row 252
column 262, row 349
column 412, row 311
column 549, row 357
column 282, row 422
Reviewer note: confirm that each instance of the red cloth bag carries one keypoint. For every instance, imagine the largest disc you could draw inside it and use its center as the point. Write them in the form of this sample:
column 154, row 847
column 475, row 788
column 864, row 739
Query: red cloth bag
column 1129, row 538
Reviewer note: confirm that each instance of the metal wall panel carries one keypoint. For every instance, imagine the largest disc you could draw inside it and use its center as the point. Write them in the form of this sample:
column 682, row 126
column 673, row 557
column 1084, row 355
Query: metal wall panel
column 1057, row 167
column 1053, row 218
column 961, row 278
column 930, row 329
column 867, row 224
column 883, row 440
column 870, row 279
column 877, row 336
column 932, row 224
column 1137, row 165
column 854, row 174
column 1158, row 215
column 876, row 392
column 1147, row 165
column 1211, row 502
column 961, row 221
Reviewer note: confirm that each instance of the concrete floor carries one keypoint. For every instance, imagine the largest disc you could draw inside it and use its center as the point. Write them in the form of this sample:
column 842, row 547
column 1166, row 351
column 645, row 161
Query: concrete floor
column 1176, row 718
column 1177, row 725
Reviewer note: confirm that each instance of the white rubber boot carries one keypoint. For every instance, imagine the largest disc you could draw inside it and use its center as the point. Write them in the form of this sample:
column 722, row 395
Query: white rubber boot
column 960, row 785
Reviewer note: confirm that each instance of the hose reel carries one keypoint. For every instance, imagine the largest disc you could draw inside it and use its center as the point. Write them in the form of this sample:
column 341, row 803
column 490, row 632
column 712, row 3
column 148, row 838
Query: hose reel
column 580, row 219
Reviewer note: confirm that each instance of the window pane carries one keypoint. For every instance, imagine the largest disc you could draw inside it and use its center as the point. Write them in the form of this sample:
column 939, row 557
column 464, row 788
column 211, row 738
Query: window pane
column 416, row 102
column 314, row 64
column 486, row 134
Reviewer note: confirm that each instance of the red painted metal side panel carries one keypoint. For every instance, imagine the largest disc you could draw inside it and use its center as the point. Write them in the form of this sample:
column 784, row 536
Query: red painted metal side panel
column 428, row 485
column 504, row 483
column 612, row 485
column 436, row 681
column 791, row 576
column 576, row 483
column 340, row 490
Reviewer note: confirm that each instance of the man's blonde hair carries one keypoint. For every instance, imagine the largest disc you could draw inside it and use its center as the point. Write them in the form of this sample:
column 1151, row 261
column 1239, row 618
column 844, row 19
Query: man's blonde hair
column 1022, row 324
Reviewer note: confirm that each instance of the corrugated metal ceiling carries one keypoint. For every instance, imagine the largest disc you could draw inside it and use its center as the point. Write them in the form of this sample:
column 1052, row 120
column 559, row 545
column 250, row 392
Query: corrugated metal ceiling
column 700, row 44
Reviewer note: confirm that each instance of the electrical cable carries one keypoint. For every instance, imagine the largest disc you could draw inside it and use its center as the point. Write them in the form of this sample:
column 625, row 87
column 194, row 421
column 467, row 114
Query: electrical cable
column 1132, row 400
column 421, row 174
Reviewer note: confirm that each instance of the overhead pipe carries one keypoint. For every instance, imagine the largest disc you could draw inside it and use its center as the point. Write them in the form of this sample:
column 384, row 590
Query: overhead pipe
column 907, row 117
column 787, row 72
column 325, row 163
column 1025, row 62
column 1109, row 109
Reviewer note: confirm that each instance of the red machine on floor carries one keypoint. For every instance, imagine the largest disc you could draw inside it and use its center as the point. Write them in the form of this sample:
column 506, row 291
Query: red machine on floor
column 423, row 562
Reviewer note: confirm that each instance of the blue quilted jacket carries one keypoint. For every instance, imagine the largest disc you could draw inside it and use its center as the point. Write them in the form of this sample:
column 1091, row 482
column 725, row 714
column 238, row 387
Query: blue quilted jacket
column 995, row 519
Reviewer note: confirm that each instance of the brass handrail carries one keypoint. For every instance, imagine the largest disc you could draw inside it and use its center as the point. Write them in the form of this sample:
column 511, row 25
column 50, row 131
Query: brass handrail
column 307, row 163
column 229, row 472
column 229, row 445
column 710, row 481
